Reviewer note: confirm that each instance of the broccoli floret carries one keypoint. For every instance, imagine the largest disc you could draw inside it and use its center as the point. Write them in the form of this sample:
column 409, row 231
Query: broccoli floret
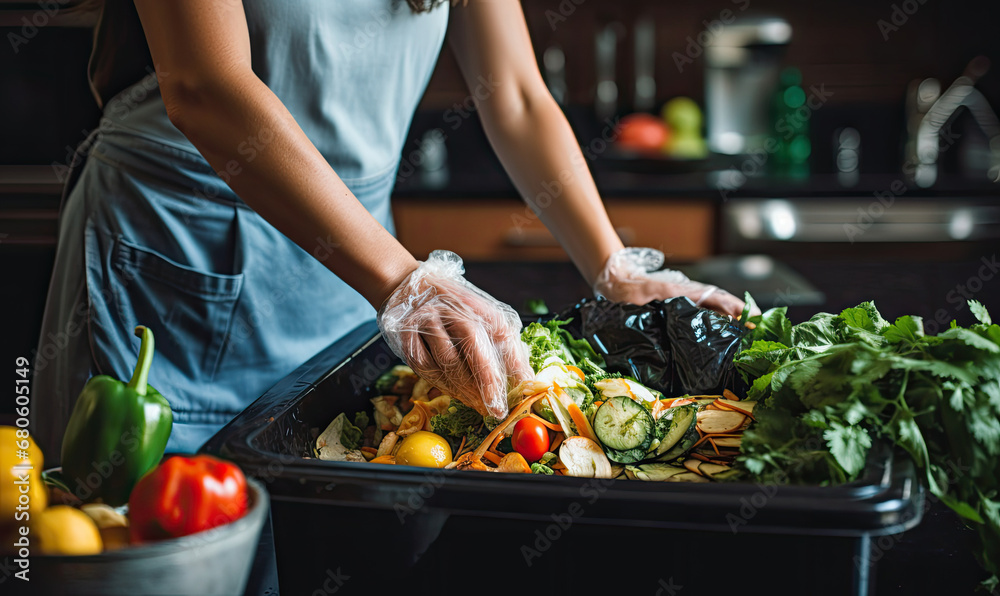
column 459, row 421
column 537, row 468
column 352, row 435
column 399, row 380
column 594, row 374
column 589, row 380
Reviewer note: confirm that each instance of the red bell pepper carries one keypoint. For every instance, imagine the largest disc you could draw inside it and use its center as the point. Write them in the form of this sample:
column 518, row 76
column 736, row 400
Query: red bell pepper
column 184, row 495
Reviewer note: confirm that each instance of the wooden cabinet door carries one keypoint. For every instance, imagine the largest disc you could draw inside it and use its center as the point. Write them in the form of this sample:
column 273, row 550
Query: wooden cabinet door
column 507, row 230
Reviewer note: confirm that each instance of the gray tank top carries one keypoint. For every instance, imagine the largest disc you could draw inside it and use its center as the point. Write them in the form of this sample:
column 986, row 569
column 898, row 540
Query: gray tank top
column 351, row 72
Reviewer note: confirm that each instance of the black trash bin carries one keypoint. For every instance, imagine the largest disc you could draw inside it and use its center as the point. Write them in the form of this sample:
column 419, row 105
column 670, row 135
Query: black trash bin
column 342, row 527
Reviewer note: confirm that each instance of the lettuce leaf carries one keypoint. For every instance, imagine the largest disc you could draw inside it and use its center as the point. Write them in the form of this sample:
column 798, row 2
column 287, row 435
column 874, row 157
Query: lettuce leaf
column 549, row 339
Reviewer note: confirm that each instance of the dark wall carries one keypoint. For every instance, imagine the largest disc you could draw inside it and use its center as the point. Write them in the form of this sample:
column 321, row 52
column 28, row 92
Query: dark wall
column 839, row 43
column 45, row 100
column 863, row 52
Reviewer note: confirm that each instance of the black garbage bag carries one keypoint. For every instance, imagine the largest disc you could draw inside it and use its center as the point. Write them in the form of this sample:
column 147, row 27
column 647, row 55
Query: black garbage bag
column 670, row 345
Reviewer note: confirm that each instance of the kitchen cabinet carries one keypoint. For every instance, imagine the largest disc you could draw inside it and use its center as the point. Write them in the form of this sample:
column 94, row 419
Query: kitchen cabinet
column 507, row 230
column 29, row 211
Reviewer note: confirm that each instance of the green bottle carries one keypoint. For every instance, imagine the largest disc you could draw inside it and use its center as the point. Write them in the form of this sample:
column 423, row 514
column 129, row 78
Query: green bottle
column 790, row 117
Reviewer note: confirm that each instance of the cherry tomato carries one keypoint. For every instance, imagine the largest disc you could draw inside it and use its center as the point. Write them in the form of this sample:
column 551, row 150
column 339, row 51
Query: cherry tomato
column 530, row 438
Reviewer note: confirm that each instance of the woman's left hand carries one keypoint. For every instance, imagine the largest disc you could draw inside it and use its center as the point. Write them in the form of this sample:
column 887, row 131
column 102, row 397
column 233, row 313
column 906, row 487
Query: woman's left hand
column 633, row 275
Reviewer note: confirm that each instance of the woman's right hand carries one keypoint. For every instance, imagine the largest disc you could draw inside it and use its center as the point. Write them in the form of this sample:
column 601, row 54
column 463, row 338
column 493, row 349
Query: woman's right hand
column 455, row 336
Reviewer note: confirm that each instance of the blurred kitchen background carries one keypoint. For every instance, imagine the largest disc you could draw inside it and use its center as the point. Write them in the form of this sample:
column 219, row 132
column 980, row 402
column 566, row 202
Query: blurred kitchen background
column 815, row 153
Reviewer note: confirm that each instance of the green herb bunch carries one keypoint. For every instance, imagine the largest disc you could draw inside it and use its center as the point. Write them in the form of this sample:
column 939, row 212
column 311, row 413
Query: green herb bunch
column 832, row 385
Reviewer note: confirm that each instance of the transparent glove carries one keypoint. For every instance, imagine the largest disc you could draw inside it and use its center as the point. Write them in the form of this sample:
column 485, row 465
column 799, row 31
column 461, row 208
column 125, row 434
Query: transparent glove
column 456, row 336
column 634, row 275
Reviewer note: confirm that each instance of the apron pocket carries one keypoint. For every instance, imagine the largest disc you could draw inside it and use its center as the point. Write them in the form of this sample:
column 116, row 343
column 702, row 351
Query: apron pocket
column 189, row 311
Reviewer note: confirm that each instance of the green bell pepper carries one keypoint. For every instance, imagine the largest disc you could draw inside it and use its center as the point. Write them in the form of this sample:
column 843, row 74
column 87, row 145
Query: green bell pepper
column 117, row 432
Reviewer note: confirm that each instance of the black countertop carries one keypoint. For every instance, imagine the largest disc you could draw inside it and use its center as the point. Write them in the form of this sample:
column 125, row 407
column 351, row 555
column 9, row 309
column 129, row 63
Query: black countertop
column 490, row 181
column 472, row 169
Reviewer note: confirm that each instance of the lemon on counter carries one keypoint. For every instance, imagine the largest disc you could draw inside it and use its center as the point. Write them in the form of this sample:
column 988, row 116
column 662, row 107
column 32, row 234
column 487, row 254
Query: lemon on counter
column 112, row 525
column 14, row 479
column 63, row 530
column 424, row 449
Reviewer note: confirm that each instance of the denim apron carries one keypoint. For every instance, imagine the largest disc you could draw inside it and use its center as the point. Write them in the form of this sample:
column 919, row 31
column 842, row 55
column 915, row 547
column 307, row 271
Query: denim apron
column 150, row 234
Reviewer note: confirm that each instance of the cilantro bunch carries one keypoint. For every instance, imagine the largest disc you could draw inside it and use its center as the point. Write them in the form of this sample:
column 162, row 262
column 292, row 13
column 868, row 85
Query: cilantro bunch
column 830, row 386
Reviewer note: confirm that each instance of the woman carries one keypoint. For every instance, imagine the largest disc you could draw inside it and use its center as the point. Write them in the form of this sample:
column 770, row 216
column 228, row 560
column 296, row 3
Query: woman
column 235, row 200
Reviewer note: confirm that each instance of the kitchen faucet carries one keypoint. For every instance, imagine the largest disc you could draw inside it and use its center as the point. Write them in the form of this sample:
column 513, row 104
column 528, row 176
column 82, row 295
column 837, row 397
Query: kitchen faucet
column 923, row 147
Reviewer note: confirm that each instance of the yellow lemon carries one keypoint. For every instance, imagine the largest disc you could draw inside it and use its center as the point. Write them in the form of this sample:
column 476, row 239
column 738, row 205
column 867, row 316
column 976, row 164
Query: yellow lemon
column 424, row 449
column 112, row 525
column 64, row 530
column 20, row 479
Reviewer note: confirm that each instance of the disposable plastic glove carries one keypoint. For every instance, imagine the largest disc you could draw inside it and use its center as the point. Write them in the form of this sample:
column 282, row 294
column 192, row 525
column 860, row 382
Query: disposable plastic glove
column 633, row 275
column 456, row 336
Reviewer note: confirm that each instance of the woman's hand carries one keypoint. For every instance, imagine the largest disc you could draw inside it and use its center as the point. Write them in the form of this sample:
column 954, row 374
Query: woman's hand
column 633, row 275
column 455, row 336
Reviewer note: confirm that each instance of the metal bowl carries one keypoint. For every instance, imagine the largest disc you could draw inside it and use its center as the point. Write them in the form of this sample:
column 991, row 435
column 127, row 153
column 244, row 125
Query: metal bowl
column 213, row 562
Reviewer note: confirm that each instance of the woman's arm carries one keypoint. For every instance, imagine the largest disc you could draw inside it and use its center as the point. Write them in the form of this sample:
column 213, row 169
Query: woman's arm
column 529, row 132
column 201, row 51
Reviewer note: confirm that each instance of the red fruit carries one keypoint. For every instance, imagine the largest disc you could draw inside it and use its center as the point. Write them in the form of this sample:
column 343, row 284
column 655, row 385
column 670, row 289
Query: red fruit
column 184, row 495
column 530, row 438
column 642, row 132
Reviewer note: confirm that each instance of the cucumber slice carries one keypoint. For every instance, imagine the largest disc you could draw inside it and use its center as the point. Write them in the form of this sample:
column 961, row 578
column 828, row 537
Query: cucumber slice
column 682, row 447
column 682, row 421
column 727, row 475
column 687, row 477
column 628, row 388
column 622, row 424
column 712, row 470
column 653, row 472
column 626, row 456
